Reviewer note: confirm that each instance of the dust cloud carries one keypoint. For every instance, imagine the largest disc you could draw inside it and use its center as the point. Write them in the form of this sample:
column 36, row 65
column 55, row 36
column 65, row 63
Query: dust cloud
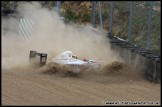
column 52, row 36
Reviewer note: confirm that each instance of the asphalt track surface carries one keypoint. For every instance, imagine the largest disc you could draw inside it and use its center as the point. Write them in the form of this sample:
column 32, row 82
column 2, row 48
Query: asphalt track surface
column 38, row 87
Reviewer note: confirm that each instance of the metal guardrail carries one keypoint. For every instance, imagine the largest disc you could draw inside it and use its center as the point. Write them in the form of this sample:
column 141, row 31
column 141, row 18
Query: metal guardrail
column 151, row 61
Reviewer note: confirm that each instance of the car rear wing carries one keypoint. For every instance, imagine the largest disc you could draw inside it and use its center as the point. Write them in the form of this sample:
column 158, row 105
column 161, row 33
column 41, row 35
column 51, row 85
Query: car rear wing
column 43, row 57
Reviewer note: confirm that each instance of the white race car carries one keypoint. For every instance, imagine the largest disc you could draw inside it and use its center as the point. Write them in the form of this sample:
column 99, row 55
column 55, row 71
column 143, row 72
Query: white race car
column 69, row 62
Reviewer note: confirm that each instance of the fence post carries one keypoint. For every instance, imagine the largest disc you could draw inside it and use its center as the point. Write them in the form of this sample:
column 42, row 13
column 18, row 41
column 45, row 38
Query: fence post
column 44, row 4
column 99, row 4
column 93, row 14
column 58, row 7
column 111, row 19
column 130, row 22
column 149, row 26
column 14, row 6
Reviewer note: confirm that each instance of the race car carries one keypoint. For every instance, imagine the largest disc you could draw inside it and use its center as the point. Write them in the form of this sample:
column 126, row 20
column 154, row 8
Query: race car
column 67, row 62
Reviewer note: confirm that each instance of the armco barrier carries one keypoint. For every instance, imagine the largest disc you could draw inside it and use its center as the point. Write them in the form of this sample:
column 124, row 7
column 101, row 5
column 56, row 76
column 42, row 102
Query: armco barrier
column 144, row 61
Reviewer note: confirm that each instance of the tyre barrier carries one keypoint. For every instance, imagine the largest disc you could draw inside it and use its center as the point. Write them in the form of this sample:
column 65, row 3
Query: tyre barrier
column 146, row 62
